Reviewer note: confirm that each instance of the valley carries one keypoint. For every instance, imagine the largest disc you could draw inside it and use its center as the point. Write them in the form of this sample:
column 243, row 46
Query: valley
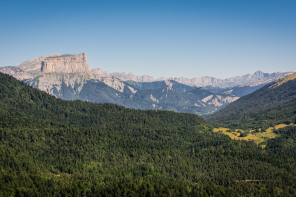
column 64, row 147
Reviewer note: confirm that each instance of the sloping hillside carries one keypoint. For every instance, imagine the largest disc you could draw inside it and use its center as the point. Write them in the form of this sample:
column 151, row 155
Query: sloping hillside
column 274, row 103
column 72, row 148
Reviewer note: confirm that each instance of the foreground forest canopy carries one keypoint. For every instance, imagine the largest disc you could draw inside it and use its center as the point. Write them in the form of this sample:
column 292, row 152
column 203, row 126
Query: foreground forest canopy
column 50, row 147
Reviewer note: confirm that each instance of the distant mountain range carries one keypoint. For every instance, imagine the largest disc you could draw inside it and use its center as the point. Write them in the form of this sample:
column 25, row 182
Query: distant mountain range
column 69, row 77
column 249, row 79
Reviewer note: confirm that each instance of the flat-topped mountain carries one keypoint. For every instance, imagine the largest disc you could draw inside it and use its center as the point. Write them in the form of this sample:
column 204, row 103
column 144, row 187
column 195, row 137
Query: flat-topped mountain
column 65, row 64
column 54, row 63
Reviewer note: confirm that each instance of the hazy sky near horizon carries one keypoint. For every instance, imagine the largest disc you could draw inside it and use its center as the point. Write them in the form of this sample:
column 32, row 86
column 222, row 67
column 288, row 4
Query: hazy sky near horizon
column 171, row 38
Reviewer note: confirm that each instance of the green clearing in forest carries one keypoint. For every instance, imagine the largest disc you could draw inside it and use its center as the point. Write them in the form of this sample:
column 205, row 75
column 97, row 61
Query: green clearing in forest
column 258, row 136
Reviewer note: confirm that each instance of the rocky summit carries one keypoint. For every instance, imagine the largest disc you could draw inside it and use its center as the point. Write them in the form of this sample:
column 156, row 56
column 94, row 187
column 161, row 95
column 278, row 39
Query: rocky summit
column 65, row 64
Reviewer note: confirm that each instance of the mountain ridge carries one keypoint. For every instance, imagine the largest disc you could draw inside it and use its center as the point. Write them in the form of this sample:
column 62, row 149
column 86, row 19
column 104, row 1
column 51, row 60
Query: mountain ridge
column 257, row 77
column 69, row 77
column 270, row 101
column 34, row 66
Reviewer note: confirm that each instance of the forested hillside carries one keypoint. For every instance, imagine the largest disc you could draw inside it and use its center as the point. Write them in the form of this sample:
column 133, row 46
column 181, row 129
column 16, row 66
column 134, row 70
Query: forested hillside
column 51, row 147
column 268, row 106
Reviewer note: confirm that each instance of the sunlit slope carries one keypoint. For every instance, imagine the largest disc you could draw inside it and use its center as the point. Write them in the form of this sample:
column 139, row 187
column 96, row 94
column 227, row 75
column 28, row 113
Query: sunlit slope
column 268, row 106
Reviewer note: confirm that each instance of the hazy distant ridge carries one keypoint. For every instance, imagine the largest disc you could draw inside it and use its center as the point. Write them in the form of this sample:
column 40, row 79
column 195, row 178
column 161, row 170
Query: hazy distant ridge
column 256, row 78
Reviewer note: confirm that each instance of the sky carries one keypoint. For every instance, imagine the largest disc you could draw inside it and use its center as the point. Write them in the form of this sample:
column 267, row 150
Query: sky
column 161, row 38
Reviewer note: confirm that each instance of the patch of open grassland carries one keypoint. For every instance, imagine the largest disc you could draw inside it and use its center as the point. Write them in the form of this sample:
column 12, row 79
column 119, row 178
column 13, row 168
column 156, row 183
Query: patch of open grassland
column 237, row 133
column 257, row 137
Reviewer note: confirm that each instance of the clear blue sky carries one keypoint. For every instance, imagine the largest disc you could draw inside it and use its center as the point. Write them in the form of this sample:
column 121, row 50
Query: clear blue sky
column 171, row 38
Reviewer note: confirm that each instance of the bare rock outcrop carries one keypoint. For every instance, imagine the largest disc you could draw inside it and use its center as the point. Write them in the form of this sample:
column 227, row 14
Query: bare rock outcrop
column 100, row 73
column 65, row 64
column 53, row 83
column 16, row 72
column 33, row 66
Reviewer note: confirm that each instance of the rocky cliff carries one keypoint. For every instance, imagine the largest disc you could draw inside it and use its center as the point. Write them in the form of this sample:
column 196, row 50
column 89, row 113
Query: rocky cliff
column 33, row 66
column 65, row 64
column 28, row 69
column 62, row 85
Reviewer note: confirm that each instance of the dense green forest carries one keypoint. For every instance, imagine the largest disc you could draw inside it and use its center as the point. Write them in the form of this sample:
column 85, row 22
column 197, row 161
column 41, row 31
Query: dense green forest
column 51, row 147
column 273, row 104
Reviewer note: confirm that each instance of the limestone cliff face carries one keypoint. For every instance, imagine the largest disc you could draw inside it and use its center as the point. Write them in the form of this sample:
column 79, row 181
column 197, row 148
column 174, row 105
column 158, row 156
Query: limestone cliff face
column 33, row 66
column 65, row 64
column 26, row 70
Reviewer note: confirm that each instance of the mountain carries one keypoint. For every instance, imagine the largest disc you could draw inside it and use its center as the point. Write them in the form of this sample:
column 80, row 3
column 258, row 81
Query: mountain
column 28, row 69
column 164, row 95
column 69, row 77
column 237, row 91
column 255, row 79
column 125, row 77
column 274, row 103
column 173, row 96
column 65, row 64
column 51, row 147
column 258, row 77
column 17, row 72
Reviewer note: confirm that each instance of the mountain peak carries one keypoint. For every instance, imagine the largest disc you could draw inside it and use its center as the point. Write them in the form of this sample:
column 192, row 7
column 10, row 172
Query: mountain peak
column 65, row 64
column 258, row 72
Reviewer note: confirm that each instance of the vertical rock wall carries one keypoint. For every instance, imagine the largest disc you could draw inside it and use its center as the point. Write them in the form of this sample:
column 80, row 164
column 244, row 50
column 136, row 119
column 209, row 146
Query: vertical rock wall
column 66, row 64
